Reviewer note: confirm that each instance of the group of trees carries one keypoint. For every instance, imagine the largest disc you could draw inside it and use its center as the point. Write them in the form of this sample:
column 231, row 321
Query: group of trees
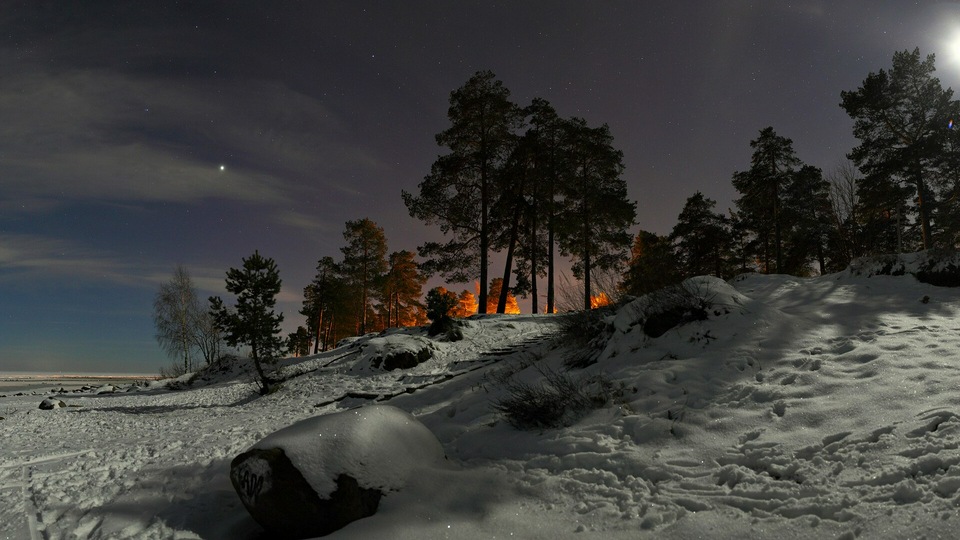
column 901, row 192
column 527, row 182
column 367, row 290
column 555, row 185
column 185, row 326
column 781, row 224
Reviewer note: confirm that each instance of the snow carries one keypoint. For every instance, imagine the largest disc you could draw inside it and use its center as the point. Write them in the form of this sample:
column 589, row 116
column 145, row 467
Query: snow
column 379, row 446
column 824, row 407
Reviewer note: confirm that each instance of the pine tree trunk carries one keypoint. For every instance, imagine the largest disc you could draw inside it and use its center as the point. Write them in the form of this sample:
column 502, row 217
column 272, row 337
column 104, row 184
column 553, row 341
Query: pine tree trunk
column 511, row 246
column 776, row 219
column 587, row 304
column 585, row 222
column 924, row 211
column 534, row 307
column 507, row 267
column 316, row 343
column 551, row 210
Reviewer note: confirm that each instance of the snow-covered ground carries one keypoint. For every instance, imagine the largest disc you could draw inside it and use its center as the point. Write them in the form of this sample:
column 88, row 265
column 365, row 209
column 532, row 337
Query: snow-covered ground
column 800, row 408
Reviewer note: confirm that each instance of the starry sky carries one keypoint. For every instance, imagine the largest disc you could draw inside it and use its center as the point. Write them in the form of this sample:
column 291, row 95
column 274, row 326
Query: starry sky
column 138, row 135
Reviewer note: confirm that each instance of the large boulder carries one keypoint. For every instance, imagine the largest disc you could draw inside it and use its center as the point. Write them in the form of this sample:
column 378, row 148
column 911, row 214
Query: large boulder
column 319, row 474
column 281, row 500
column 51, row 403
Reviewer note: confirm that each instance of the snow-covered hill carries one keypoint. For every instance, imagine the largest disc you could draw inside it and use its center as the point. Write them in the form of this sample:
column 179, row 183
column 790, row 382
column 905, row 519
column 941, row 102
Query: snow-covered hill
column 786, row 408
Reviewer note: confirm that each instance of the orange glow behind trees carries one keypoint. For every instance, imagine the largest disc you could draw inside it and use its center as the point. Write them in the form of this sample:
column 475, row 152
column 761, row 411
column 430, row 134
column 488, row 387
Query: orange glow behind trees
column 600, row 300
column 493, row 296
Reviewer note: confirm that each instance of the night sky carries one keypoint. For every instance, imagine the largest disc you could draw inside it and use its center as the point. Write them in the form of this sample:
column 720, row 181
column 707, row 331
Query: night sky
column 135, row 136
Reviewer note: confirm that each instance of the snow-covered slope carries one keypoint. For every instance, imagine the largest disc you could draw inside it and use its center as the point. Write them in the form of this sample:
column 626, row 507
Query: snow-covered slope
column 797, row 408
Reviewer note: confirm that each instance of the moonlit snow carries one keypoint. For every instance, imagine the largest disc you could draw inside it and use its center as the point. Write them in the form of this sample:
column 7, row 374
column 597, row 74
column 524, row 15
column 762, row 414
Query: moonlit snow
column 800, row 408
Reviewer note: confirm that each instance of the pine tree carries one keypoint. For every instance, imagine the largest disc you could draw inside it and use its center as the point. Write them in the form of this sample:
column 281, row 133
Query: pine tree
column 762, row 190
column 652, row 265
column 401, row 291
column 252, row 321
column 466, row 304
column 298, row 343
column 702, row 238
column 458, row 193
column 807, row 212
column 947, row 211
column 323, row 303
column 364, row 263
column 539, row 157
column 595, row 204
column 901, row 118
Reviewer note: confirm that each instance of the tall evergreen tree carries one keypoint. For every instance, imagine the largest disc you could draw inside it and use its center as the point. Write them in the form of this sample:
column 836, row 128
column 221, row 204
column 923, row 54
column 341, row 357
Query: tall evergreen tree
column 364, row 263
column 806, row 210
column 595, row 204
column 401, row 290
column 900, row 117
column 762, row 190
column 702, row 239
column 510, row 208
column 466, row 304
column 652, row 265
column 947, row 211
column 544, row 143
column 298, row 343
column 458, row 193
column 323, row 301
column 252, row 321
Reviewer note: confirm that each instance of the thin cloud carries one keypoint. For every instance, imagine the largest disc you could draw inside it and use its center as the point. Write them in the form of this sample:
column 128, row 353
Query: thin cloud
column 100, row 135
column 28, row 258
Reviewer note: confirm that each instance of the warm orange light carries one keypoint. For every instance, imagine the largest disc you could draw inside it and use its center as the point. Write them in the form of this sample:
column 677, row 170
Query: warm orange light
column 600, row 300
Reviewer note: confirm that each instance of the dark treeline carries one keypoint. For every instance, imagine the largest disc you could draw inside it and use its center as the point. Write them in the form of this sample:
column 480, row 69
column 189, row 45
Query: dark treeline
column 899, row 193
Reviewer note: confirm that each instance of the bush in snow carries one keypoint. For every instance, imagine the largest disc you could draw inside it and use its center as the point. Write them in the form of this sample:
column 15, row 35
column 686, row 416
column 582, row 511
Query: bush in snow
column 935, row 266
column 557, row 400
column 586, row 334
column 693, row 300
column 439, row 303
column 674, row 306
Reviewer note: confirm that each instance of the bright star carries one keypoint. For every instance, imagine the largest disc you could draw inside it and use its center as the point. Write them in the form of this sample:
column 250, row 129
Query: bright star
column 223, row 167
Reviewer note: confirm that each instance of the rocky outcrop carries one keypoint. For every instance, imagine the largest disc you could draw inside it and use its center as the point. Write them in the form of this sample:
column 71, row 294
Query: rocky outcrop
column 403, row 359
